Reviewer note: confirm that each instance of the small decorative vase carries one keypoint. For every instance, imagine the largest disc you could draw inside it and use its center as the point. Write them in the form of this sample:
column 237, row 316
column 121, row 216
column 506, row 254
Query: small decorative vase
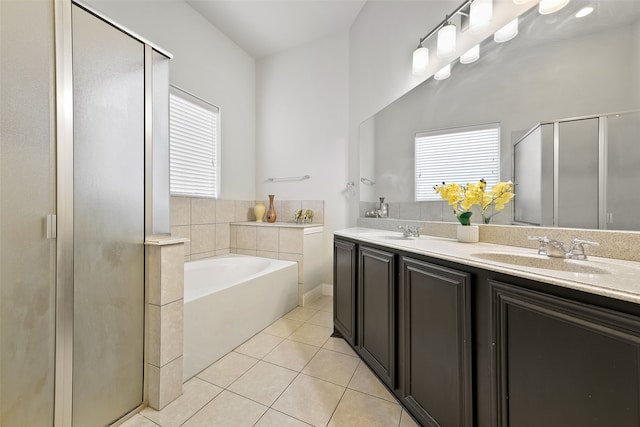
column 271, row 213
column 259, row 209
column 468, row 233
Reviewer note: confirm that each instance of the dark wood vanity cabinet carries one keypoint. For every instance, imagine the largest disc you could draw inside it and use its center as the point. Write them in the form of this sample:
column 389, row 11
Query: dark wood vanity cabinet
column 376, row 311
column 344, row 289
column 435, row 343
column 465, row 346
column 563, row 363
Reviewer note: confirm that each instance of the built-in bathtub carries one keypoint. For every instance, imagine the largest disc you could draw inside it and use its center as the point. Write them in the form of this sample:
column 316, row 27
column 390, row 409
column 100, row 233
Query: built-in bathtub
column 230, row 298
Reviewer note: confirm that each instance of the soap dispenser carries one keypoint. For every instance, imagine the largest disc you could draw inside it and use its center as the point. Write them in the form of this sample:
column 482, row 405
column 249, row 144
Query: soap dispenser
column 384, row 208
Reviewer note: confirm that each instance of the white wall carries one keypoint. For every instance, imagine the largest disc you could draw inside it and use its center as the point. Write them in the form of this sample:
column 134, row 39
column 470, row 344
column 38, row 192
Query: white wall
column 302, row 126
column 208, row 64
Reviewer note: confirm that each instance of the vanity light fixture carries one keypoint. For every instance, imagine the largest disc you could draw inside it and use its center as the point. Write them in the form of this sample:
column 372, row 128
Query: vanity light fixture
column 420, row 60
column 507, row 32
column 550, row 6
column 446, row 40
column 521, row 1
column 471, row 55
column 480, row 14
column 584, row 12
column 443, row 73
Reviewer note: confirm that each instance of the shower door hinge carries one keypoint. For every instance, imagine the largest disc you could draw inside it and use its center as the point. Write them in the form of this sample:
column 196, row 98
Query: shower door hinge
column 51, row 226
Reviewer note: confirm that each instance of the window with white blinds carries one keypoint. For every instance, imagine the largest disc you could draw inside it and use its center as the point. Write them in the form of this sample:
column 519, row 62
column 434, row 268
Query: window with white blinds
column 194, row 129
column 461, row 155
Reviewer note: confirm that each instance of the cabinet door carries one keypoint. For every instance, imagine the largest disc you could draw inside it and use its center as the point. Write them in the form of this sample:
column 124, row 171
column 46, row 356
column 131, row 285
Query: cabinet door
column 376, row 324
column 344, row 289
column 563, row 363
column 436, row 343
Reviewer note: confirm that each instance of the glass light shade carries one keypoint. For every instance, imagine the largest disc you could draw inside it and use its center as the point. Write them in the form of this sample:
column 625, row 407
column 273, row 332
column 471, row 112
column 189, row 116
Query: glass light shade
column 550, row 6
column 507, row 32
column 420, row 60
column 443, row 72
column 446, row 41
column 471, row 55
column 521, row 1
column 584, row 12
column 480, row 14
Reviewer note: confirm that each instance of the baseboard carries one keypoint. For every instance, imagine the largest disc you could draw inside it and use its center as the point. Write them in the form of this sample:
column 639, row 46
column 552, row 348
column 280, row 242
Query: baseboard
column 312, row 295
column 327, row 289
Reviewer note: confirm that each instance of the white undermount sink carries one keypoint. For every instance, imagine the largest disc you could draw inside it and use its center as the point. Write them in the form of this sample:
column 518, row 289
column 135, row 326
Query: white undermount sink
column 542, row 262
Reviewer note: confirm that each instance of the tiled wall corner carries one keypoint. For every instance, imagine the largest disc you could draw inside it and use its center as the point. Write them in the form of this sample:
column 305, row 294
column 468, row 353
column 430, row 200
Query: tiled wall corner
column 165, row 319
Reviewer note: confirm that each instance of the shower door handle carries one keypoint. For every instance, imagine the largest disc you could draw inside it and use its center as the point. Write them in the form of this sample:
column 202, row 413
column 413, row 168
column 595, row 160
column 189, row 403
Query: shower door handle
column 51, row 226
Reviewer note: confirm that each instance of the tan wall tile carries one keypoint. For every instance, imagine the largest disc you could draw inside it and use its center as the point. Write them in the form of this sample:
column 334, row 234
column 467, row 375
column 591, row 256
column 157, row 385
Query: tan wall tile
column 291, row 240
column 225, row 211
column 203, row 238
column 244, row 210
column 246, row 237
column 268, row 238
column 183, row 231
column 223, row 231
column 172, row 273
column 203, row 211
column 180, row 210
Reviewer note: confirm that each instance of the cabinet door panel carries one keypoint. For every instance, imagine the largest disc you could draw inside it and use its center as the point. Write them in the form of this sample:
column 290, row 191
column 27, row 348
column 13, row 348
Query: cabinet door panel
column 562, row 363
column 344, row 283
column 436, row 339
column 376, row 301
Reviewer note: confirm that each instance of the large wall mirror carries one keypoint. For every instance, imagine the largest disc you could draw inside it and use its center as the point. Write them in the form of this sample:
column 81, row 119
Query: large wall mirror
column 573, row 80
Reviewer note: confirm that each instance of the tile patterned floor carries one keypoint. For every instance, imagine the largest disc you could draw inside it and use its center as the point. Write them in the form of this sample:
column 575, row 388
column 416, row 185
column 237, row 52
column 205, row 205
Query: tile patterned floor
column 293, row 373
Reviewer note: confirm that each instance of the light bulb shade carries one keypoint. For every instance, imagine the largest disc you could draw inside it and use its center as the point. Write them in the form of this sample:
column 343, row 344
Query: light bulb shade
column 446, row 41
column 550, row 6
column 507, row 32
column 471, row 55
column 443, row 72
column 480, row 14
column 521, row 1
column 420, row 60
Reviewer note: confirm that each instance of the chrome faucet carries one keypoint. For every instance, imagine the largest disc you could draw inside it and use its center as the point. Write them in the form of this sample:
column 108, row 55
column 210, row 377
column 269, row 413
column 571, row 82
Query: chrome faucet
column 408, row 231
column 556, row 249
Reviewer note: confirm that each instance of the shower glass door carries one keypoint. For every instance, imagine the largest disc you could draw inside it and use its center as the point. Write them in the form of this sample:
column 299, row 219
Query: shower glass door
column 108, row 193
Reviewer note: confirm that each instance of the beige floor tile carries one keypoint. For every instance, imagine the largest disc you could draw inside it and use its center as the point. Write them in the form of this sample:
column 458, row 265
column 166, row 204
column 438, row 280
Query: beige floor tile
column 407, row 421
column 311, row 334
column 263, row 383
column 318, row 303
column 277, row 419
column 362, row 410
column 196, row 394
column 310, row 400
column 259, row 345
column 228, row 369
column 227, row 409
column 139, row 421
column 327, row 306
column 322, row 318
column 301, row 314
column 331, row 366
column 291, row 355
column 282, row 327
column 339, row 345
column 365, row 381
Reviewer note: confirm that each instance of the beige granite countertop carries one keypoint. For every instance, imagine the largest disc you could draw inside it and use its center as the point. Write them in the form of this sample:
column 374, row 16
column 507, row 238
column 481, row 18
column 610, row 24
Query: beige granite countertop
column 278, row 224
column 608, row 277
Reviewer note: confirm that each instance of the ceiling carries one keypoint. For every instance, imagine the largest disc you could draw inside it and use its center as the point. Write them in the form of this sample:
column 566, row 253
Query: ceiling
column 266, row 27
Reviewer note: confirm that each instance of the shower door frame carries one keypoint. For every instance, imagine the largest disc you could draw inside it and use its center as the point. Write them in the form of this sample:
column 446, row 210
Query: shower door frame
column 63, row 389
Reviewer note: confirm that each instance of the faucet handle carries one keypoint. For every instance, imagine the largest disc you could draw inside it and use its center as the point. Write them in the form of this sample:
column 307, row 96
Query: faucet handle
column 543, row 240
column 576, row 251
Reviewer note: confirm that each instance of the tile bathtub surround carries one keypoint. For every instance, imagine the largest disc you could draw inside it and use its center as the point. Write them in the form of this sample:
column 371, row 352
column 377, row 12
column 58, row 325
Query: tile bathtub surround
column 274, row 380
column 206, row 222
column 165, row 314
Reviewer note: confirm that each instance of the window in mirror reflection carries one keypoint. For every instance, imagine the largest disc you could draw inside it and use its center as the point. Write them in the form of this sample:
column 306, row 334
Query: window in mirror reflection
column 460, row 155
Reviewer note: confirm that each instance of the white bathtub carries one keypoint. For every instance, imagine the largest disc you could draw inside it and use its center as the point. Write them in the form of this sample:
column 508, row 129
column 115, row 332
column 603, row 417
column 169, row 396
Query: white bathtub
column 230, row 298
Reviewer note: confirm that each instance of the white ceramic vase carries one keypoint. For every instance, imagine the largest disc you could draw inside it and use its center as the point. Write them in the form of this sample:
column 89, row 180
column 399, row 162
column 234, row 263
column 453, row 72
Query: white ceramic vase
column 468, row 233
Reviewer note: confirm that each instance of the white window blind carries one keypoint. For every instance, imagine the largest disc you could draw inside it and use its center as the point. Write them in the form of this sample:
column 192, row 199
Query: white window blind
column 461, row 155
column 194, row 127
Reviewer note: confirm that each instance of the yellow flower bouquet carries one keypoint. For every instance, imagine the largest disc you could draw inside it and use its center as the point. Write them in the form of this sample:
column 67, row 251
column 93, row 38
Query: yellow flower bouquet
column 462, row 198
